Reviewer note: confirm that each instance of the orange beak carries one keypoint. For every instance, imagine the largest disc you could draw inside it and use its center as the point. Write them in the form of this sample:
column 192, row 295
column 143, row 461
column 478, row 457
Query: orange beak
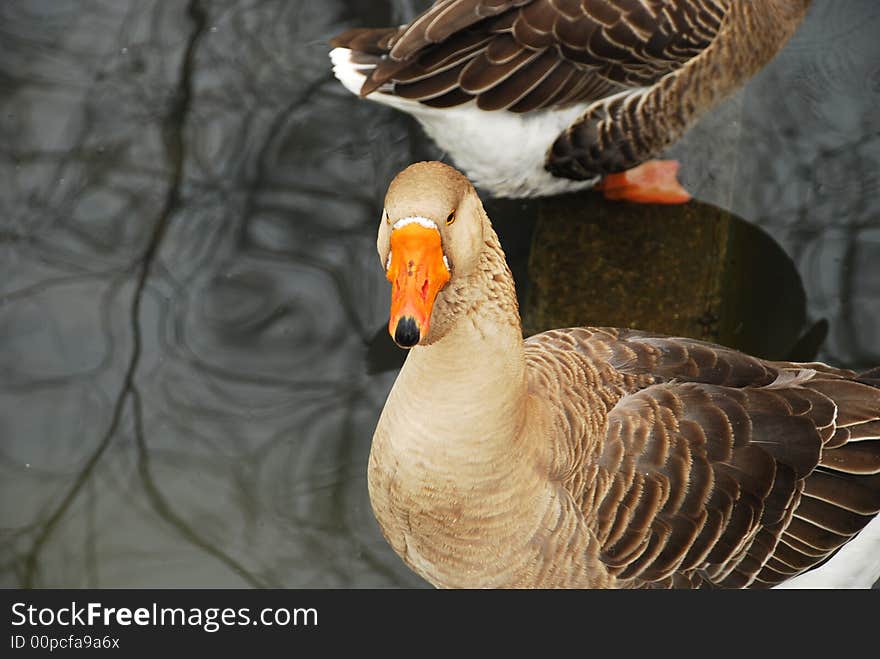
column 417, row 272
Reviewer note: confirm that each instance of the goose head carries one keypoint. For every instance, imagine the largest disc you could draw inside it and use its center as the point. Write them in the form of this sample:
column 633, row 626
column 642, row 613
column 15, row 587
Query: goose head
column 431, row 236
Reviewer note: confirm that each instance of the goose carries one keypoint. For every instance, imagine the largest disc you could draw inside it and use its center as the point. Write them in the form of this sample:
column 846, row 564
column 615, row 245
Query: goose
column 542, row 97
column 593, row 457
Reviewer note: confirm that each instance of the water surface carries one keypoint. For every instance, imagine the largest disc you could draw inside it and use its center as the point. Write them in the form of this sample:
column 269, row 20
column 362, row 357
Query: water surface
column 191, row 354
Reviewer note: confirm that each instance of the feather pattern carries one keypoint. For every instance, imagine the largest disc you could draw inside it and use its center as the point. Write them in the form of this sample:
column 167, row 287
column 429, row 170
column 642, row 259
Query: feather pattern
column 640, row 71
column 704, row 469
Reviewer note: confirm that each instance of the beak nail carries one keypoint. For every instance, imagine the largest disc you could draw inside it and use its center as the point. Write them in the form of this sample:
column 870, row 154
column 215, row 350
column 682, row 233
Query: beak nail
column 406, row 335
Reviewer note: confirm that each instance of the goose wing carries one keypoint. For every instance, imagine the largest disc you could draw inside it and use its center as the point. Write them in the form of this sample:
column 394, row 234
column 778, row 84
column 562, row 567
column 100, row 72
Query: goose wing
column 721, row 469
column 524, row 55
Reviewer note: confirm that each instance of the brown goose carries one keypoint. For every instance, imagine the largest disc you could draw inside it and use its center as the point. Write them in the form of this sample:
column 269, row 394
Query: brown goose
column 538, row 97
column 598, row 457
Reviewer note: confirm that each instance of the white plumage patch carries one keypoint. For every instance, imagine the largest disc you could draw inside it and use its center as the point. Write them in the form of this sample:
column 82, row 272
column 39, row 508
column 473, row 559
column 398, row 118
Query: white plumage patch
column 346, row 71
column 415, row 219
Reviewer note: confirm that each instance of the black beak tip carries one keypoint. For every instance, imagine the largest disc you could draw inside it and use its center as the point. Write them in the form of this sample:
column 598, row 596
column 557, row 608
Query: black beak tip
column 406, row 334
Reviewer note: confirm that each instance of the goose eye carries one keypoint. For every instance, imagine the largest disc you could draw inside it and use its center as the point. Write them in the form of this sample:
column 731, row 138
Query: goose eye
column 451, row 218
column 385, row 216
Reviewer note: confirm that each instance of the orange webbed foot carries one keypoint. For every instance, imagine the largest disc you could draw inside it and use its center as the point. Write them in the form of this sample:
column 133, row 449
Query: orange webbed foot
column 652, row 182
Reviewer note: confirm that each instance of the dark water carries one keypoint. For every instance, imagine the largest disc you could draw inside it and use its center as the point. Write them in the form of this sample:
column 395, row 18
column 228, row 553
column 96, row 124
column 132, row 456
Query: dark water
column 190, row 370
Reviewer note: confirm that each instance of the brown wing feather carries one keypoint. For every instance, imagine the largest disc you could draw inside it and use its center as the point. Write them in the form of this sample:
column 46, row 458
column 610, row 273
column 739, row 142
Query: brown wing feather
column 596, row 48
column 721, row 469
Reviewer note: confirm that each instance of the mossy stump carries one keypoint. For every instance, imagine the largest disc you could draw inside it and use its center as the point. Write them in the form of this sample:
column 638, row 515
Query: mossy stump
column 690, row 270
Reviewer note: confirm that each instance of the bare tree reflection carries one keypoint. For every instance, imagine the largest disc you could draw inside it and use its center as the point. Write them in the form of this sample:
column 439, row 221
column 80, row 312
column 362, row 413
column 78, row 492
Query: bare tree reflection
column 181, row 194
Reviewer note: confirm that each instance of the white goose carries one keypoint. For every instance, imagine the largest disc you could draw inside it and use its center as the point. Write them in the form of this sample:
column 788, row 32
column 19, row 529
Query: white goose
column 539, row 97
column 598, row 457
